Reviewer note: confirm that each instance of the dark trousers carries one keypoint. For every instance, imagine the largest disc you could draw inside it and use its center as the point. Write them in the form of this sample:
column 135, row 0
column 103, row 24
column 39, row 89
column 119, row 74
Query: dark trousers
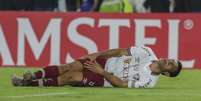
column 187, row 6
column 157, row 5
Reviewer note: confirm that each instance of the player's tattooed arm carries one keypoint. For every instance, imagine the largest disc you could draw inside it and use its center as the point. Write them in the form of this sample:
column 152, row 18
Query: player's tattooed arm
column 96, row 68
column 114, row 80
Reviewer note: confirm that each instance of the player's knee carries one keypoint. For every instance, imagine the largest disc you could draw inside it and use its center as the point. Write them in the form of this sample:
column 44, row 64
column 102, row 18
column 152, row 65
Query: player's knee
column 70, row 78
column 76, row 77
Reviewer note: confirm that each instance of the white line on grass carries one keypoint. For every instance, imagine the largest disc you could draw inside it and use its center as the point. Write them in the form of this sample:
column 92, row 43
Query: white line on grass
column 165, row 94
column 39, row 95
column 83, row 94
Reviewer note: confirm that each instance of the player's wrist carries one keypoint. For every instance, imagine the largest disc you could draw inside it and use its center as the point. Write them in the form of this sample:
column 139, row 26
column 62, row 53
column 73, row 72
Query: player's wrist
column 103, row 73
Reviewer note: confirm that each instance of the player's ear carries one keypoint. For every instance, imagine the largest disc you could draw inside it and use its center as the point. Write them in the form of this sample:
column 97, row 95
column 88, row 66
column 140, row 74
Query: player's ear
column 153, row 61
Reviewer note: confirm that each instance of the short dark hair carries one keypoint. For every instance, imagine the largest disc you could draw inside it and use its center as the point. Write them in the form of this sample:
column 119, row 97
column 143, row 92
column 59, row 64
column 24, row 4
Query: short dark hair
column 176, row 73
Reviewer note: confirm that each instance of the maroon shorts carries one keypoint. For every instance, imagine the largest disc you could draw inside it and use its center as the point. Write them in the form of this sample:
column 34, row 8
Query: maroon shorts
column 91, row 79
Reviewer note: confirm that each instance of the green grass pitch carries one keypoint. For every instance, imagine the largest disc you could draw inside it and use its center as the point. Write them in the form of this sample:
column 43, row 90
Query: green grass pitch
column 186, row 87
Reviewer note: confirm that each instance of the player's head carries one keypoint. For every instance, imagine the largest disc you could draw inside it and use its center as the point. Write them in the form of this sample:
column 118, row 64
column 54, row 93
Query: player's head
column 170, row 67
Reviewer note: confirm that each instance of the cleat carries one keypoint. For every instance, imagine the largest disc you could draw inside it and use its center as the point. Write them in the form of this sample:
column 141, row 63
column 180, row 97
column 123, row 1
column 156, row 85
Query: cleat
column 28, row 76
column 16, row 80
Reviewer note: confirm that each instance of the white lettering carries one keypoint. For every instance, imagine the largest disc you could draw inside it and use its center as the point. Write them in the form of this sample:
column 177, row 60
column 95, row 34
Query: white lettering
column 25, row 30
column 4, row 50
column 114, row 30
column 140, row 31
column 173, row 43
column 78, row 38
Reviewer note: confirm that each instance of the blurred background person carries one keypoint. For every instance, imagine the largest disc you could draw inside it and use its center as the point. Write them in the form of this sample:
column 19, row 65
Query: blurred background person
column 123, row 6
column 157, row 5
column 44, row 5
column 88, row 5
column 29, row 5
column 138, row 6
column 80, row 5
column 98, row 5
column 15, row 5
column 72, row 5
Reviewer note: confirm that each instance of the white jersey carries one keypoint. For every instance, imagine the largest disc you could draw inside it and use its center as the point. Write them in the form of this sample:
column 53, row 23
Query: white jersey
column 134, row 69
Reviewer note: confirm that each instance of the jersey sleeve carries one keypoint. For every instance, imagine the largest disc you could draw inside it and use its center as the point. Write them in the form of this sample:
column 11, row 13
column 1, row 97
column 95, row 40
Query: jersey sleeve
column 142, row 52
column 139, row 50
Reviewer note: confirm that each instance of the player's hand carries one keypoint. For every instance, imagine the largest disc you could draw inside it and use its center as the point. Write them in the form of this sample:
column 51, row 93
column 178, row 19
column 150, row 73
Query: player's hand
column 94, row 67
column 91, row 57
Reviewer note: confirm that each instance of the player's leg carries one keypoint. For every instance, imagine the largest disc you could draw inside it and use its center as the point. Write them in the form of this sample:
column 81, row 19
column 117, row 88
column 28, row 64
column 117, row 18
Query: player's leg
column 53, row 71
column 75, row 77
column 70, row 78
column 83, row 78
column 65, row 71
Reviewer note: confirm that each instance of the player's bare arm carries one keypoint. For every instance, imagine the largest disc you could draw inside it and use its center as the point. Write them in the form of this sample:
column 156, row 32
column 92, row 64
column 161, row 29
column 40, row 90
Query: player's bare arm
column 115, row 81
column 109, row 53
column 105, row 54
column 95, row 67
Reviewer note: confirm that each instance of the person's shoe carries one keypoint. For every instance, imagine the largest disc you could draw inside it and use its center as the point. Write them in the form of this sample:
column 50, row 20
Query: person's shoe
column 28, row 76
column 16, row 80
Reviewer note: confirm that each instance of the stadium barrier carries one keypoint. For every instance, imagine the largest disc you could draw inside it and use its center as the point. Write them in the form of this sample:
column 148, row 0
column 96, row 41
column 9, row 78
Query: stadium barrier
column 38, row 38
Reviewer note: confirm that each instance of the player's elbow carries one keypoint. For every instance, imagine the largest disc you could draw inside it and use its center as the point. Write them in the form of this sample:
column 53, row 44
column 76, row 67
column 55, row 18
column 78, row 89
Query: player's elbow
column 124, row 51
column 121, row 84
column 124, row 85
column 145, row 86
column 150, row 86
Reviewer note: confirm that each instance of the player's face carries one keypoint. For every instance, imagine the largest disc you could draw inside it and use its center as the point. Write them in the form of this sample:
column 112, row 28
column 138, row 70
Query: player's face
column 168, row 65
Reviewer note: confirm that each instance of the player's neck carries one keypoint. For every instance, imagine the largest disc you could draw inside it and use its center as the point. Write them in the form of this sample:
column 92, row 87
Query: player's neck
column 154, row 68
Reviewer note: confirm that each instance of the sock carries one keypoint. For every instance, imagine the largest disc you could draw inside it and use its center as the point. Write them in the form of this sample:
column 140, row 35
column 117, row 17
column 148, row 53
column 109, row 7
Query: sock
column 47, row 72
column 44, row 82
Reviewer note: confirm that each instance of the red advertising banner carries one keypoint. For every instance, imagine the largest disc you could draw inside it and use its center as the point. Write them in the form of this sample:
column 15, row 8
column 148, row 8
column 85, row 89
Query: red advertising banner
column 39, row 39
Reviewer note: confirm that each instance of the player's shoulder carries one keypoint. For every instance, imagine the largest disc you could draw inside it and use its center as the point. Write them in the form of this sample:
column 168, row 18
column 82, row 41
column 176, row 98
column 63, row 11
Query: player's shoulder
column 145, row 48
column 141, row 48
column 143, row 51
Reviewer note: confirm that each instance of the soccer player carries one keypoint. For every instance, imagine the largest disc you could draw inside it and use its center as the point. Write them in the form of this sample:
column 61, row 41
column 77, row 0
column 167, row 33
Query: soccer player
column 135, row 67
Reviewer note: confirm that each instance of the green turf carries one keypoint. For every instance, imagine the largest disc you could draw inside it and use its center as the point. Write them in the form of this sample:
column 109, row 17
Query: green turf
column 186, row 87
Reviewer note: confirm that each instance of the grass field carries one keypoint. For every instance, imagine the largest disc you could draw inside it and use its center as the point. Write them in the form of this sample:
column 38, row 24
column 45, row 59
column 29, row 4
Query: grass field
column 186, row 87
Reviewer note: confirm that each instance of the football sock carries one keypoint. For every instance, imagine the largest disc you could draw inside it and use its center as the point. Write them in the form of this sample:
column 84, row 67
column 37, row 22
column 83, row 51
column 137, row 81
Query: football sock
column 47, row 72
column 44, row 82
